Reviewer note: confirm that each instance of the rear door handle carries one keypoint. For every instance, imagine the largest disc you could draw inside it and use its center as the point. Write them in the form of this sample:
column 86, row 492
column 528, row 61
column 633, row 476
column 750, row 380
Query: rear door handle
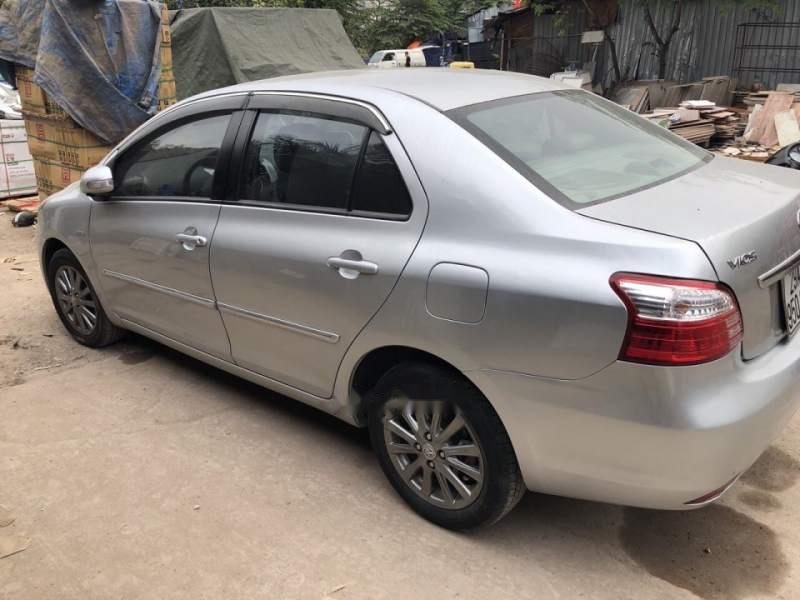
column 350, row 268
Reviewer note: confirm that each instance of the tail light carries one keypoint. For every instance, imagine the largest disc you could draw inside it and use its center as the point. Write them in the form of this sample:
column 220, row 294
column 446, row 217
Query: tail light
column 677, row 321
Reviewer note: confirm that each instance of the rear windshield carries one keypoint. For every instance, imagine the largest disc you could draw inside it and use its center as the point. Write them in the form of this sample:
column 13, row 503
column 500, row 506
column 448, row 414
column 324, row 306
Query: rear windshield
column 577, row 147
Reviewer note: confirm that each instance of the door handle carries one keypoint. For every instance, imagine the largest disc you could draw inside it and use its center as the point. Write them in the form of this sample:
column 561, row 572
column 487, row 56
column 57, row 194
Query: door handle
column 190, row 240
column 350, row 268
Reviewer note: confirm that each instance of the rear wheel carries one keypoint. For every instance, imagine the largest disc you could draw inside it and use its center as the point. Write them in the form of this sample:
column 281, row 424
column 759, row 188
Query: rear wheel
column 76, row 302
column 443, row 447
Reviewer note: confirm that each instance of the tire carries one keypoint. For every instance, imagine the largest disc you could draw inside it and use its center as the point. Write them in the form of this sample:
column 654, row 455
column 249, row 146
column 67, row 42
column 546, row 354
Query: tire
column 75, row 300
column 488, row 482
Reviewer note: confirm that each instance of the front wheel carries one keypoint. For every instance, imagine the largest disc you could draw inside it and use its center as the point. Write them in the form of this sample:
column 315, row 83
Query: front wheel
column 443, row 447
column 76, row 302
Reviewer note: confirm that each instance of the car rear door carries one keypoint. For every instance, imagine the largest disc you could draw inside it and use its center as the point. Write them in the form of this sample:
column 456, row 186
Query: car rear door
column 325, row 216
column 151, row 237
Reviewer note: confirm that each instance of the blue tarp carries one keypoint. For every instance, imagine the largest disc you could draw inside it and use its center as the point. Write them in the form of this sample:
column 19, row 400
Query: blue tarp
column 99, row 60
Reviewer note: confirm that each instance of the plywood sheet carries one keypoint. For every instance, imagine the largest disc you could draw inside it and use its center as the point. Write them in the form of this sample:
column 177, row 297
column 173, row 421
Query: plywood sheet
column 787, row 128
column 764, row 131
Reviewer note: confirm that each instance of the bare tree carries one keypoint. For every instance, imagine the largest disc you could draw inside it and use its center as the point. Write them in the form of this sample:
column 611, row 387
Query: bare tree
column 663, row 40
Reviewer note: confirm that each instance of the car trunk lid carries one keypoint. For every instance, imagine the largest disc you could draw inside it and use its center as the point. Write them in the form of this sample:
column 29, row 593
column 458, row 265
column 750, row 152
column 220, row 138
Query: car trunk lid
column 745, row 217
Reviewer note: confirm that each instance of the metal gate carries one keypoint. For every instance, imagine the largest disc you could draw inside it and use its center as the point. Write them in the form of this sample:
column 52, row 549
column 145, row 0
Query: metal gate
column 768, row 53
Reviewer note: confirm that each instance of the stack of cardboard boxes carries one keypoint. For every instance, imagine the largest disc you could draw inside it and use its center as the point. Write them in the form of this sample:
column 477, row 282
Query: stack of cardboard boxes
column 62, row 150
column 166, row 85
column 16, row 164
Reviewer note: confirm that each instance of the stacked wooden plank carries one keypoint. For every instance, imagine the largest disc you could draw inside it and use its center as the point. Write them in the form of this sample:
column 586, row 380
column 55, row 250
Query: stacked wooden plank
column 699, row 124
column 643, row 95
column 698, row 131
column 727, row 123
column 751, row 99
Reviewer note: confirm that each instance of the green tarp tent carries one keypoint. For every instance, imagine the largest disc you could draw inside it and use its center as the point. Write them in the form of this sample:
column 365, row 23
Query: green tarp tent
column 215, row 47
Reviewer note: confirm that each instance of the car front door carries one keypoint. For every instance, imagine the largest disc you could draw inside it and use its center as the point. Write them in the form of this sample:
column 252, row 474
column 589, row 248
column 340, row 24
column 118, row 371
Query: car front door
column 151, row 237
column 325, row 216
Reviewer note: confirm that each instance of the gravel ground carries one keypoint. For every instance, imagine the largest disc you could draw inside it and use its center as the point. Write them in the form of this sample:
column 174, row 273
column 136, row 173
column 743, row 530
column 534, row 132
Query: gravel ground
column 135, row 472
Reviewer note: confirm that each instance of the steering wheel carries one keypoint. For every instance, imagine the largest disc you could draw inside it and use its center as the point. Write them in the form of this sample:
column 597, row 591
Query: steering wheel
column 207, row 162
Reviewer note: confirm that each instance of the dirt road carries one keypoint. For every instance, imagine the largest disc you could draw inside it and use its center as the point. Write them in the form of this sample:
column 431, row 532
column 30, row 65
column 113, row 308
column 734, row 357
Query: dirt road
column 135, row 472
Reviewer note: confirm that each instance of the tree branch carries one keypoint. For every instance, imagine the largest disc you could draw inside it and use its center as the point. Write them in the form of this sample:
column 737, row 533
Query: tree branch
column 676, row 22
column 650, row 24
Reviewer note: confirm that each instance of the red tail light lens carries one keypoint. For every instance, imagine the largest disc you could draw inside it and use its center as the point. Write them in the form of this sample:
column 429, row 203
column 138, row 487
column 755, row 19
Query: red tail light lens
column 677, row 321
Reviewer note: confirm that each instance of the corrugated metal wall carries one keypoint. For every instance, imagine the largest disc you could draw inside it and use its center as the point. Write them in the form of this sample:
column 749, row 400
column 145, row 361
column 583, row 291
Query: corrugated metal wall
column 704, row 45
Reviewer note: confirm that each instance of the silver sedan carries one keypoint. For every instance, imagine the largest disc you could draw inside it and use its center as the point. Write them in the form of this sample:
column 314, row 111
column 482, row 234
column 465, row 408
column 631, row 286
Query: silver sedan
column 511, row 284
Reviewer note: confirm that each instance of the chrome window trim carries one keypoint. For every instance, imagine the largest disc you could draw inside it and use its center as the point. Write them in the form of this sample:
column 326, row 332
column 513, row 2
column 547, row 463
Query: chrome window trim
column 156, row 118
column 318, row 96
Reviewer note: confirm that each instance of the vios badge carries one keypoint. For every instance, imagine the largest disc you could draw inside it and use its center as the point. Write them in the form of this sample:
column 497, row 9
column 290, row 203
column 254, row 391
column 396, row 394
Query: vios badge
column 743, row 259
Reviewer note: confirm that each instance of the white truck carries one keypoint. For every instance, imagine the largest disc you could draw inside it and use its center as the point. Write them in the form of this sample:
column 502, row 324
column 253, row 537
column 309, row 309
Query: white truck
column 390, row 59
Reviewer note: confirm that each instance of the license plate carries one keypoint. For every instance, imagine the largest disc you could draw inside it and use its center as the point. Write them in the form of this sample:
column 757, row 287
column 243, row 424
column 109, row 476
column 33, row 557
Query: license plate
column 791, row 299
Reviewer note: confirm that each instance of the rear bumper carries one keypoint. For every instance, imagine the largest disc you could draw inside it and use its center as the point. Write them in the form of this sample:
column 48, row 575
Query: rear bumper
column 646, row 436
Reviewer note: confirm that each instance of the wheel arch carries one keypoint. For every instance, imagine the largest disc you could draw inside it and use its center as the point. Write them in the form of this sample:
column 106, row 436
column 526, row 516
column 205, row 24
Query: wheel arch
column 50, row 247
column 375, row 363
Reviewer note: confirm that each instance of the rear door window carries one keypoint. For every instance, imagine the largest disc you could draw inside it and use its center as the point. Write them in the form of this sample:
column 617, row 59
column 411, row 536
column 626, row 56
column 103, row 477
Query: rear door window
column 301, row 160
column 379, row 186
column 305, row 161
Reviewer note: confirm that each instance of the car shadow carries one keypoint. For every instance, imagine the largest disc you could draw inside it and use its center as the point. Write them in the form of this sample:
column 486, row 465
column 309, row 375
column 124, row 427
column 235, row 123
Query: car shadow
column 138, row 349
column 715, row 552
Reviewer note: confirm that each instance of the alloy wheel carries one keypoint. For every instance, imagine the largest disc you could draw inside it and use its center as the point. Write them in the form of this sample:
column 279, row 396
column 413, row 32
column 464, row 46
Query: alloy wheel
column 76, row 299
column 435, row 450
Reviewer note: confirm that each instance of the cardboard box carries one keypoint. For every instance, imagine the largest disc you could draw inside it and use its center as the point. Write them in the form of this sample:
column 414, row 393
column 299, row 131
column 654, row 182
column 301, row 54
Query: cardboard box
column 166, row 59
column 52, row 176
column 167, row 95
column 64, row 141
column 166, row 34
column 16, row 164
column 33, row 98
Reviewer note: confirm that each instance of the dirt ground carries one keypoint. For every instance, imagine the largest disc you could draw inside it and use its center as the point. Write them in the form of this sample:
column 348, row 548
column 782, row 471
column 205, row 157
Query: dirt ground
column 135, row 472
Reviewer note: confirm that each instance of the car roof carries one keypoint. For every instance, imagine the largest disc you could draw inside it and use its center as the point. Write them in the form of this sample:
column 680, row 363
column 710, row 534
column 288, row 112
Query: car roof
column 443, row 88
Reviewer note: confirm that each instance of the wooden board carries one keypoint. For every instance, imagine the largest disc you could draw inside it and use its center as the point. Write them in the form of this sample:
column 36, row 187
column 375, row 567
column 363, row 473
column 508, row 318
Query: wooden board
column 692, row 123
column 763, row 130
column 717, row 89
column 30, row 203
column 633, row 97
column 787, row 128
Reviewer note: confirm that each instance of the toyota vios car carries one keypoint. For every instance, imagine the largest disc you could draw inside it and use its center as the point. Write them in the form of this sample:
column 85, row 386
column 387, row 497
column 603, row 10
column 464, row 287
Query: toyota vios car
column 511, row 284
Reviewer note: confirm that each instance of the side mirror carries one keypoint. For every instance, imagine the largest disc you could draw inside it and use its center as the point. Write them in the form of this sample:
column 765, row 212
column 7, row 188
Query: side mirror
column 97, row 181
